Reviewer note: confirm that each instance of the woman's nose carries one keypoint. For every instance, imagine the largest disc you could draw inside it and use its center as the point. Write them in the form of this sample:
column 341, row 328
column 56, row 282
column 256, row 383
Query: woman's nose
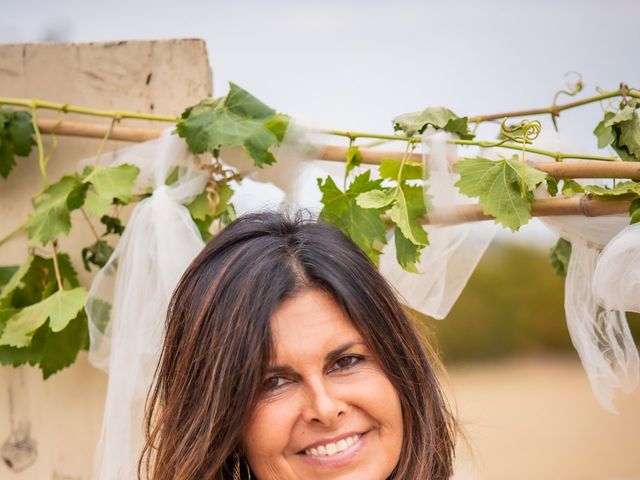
column 322, row 404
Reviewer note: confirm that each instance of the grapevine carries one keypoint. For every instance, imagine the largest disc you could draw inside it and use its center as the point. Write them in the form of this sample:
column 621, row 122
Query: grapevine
column 42, row 320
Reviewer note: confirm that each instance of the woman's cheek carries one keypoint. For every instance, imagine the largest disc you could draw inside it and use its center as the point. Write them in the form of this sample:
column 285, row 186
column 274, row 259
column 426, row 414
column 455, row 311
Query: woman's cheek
column 270, row 427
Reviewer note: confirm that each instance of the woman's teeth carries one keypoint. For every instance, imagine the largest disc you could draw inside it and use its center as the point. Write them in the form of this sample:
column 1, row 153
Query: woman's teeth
column 332, row 448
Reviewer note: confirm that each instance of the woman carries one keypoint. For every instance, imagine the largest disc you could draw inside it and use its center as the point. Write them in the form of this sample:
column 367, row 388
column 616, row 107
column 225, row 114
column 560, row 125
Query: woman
column 287, row 356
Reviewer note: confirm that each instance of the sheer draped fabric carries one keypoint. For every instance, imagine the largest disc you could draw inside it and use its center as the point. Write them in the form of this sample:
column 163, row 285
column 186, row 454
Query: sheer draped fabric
column 129, row 296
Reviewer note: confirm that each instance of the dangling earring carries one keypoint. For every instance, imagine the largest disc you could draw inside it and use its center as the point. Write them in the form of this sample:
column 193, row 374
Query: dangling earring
column 237, row 468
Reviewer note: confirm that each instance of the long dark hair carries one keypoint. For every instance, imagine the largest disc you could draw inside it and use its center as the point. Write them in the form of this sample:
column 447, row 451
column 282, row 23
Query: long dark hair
column 218, row 343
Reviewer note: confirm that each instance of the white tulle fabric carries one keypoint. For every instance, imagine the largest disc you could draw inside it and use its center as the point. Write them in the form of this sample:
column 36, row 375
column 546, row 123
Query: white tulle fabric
column 597, row 324
column 291, row 155
column 159, row 242
column 454, row 250
column 616, row 280
column 599, row 333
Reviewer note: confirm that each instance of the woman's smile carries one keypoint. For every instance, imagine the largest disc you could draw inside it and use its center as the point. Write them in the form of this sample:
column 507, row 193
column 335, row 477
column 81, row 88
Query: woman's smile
column 336, row 454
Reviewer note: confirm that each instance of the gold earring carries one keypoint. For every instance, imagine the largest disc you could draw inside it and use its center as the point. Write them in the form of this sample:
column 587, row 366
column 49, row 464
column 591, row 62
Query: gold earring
column 237, row 468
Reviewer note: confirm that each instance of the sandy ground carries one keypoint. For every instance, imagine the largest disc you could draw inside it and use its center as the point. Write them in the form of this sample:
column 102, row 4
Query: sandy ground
column 536, row 418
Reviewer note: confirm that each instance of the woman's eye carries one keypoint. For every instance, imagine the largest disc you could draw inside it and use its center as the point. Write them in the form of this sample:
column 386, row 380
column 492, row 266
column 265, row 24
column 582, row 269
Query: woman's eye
column 274, row 383
column 348, row 361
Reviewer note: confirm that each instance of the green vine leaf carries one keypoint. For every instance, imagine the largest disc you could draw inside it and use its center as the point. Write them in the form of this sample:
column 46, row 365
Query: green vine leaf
column 630, row 136
column 622, row 188
column 225, row 210
column 439, row 117
column 278, row 125
column 499, row 184
column 61, row 348
column 204, row 212
column 16, row 138
column 407, row 212
column 559, row 256
column 14, row 280
column 40, row 281
column 364, row 225
column 377, row 198
column 60, row 308
column 49, row 350
column 20, row 356
column 354, row 159
column 552, row 186
column 407, row 252
column 51, row 216
column 571, row 188
column 390, row 167
column 237, row 119
column 407, row 208
column 634, row 211
column 6, row 274
column 97, row 254
column 113, row 225
column 107, row 184
column 621, row 130
column 604, row 132
column 199, row 207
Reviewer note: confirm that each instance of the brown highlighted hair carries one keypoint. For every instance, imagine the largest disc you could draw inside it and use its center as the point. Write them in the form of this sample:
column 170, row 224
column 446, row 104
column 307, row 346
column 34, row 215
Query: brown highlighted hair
column 218, row 344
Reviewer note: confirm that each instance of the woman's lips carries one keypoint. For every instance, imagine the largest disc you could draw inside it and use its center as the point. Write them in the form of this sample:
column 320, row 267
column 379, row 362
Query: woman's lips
column 337, row 453
column 330, row 448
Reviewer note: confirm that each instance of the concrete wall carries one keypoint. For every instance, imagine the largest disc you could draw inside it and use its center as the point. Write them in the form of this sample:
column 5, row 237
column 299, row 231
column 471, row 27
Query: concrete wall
column 62, row 415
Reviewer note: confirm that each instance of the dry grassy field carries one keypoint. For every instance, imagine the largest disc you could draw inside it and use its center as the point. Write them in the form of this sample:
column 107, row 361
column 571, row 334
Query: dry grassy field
column 536, row 419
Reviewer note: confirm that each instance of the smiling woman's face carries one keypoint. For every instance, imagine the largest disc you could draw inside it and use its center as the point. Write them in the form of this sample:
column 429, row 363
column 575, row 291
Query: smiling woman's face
column 328, row 411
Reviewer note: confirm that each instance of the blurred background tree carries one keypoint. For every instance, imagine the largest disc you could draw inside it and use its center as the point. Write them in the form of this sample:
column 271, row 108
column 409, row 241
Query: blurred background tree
column 512, row 305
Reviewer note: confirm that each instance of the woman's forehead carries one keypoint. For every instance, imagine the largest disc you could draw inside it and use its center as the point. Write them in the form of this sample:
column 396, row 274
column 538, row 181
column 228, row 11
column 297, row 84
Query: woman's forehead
column 311, row 323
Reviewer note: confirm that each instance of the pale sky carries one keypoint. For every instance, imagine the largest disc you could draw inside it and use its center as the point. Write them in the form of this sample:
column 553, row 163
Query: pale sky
column 348, row 64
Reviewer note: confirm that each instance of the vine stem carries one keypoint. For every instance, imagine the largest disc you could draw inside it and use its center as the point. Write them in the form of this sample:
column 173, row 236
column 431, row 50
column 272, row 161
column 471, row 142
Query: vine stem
column 103, row 143
column 554, row 110
column 131, row 134
column 41, row 158
column 56, row 267
column 93, row 230
column 558, row 156
column 35, row 104
column 12, row 233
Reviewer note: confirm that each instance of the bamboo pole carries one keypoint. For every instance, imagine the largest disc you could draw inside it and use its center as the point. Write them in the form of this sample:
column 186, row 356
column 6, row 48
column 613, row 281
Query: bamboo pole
column 584, row 205
column 98, row 130
column 558, row 170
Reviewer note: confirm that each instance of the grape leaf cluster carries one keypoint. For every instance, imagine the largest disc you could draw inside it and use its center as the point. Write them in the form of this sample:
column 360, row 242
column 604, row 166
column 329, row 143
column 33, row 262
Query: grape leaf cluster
column 240, row 119
column 358, row 210
column 41, row 322
column 212, row 205
column 16, row 138
column 621, row 130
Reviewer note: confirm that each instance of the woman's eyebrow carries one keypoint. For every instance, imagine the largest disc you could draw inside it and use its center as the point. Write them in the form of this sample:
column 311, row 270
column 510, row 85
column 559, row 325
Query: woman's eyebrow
column 329, row 356
column 340, row 350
